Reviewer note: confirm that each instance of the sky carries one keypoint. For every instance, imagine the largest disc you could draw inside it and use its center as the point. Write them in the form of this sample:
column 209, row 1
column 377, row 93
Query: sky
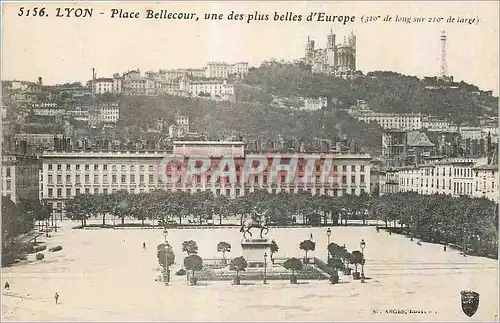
column 66, row 49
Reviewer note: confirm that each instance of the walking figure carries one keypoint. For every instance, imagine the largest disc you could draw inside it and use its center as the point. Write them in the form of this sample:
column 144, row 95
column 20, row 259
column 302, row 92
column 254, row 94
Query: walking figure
column 144, row 245
column 7, row 286
column 444, row 247
column 57, row 298
column 419, row 243
column 311, row 237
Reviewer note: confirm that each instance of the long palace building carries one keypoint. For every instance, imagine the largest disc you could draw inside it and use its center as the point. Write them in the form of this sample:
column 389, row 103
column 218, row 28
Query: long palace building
column 66, row 174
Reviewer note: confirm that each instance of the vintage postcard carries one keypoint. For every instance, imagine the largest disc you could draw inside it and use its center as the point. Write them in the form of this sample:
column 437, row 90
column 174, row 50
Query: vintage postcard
column 250, row 161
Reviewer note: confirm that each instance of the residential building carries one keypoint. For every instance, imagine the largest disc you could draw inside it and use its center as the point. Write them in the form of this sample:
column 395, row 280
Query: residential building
column 405, row 147
column 103, row 85
column 19, row 177
column 216, row 89
column 485, row 180
column 222, row 70
column 455, row 177
column 104, row 113
column 66, row 174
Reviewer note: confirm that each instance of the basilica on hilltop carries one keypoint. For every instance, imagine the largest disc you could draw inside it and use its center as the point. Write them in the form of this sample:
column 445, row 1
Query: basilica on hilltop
column 337, row 59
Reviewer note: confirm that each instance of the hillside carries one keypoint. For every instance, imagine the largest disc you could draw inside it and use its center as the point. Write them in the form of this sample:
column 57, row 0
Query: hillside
column 383, row 91
column 251, row 120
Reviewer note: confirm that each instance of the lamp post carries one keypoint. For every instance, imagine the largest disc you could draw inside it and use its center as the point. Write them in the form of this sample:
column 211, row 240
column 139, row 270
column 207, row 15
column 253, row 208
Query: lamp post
column 328, row 233
column 265, row 267
column 362, row 245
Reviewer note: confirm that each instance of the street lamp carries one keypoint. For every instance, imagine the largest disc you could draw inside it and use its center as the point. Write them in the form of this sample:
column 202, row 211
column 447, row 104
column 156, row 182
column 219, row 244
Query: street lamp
column 362, row 245
column 265, row 267
column 328, row 234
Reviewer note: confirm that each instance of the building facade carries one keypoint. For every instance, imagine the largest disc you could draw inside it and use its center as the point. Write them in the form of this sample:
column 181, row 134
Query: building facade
column 66, row 174
column 19, row 177
column 455, row 177
column 339, row 59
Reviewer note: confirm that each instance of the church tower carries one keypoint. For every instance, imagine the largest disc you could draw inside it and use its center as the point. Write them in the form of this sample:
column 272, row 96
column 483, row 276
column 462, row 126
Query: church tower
column 331, row 39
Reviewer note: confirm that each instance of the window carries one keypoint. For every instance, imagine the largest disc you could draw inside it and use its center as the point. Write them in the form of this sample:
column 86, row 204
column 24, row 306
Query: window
column 362, row 179
column 87, row 167
column 198, row 179
column 59, row 192
column 104, row 191
column 151, row 178
column 51, row 192
column 353, row 179
column 50, row 166
column 344, row 179
column 7, row 172
column 353, row 191
column 105, row 167
column 105, row 179
column 96, row 167
column 77, row 178
column 353, row 168
column 87, row 179
column 68, row 167
column 132, row 178
column 68, row 178
column 132, row 168
column 217, row 192
column 256, row 179
column 8, row 185
column 77, row 167
column 362, row 169
column 124, row 179
column 123, row 168
column 96, row 178
column 77, row 191
column 335, row 169
column 51, row 179
column 265, row 179
column 87, row 190
column 59, row 179
column 238, row 192
column 344, row 168
column 141, row 178
column 68, row 192
column 228, row 192
column 113, row 179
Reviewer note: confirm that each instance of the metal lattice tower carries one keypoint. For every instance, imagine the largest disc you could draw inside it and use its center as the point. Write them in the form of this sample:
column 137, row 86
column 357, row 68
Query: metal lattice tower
column 444, row 66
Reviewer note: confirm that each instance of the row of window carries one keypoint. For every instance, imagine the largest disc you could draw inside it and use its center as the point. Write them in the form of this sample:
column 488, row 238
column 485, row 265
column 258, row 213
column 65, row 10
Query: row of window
column 87, row 167
column 151, row 179
column 151, row 168
column 238, row 192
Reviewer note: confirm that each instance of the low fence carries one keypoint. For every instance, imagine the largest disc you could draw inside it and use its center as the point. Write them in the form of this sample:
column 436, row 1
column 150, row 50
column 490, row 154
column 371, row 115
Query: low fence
column 308, row 272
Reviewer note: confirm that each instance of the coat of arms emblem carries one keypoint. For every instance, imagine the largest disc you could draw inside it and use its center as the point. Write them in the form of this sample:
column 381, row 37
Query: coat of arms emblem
column 470, row 302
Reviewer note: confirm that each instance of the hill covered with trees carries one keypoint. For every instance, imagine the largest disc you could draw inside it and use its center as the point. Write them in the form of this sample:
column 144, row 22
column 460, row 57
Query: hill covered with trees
column 383, row 91
column 255, row 120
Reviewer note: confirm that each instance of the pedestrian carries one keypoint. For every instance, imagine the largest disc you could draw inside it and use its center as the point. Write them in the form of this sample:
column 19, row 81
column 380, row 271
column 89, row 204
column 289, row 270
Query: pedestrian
column 419, row 243
column 311, row 237
column 444, row 248
column 57, row 298
column 144, row 245
column 7, row 286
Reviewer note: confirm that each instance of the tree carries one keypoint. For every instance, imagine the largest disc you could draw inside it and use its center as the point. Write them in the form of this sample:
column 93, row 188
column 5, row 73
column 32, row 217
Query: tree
column 273, row 249
column 194, row 263
column 238, row 264
column 307, row 245
column 223, row 247
column 294, row 265
column 165, row 255
column 357, row 259
column 190, row 247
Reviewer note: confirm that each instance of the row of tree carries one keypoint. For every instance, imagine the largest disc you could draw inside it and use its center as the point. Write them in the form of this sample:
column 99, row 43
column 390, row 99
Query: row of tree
column 434, row 217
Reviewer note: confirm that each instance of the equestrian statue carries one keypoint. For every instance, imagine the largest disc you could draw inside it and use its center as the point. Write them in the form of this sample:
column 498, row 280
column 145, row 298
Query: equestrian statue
column 257, row 221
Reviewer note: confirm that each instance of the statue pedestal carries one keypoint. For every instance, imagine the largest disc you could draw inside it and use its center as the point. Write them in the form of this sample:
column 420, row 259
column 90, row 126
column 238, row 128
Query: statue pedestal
column 254, row 250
